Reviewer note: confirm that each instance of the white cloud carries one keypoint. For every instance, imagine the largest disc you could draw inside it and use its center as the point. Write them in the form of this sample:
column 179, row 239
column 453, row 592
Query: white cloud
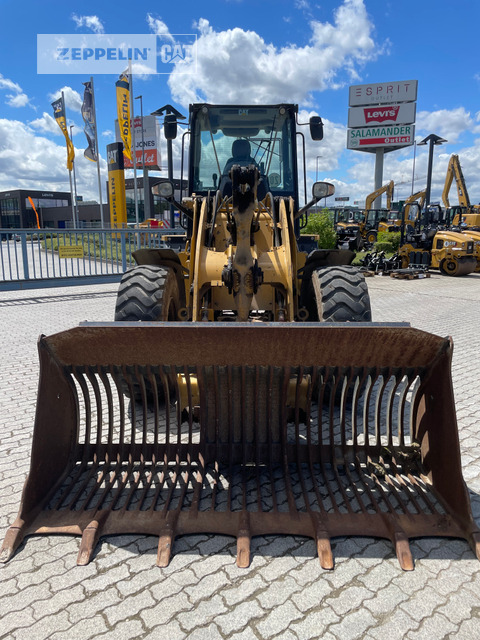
column 28, row 160
column 240, row 66
column 449, row 124
column 73, row 100
column 47, row 124
column 5, row 83
column 158, row 26
column 91, row 22
column 16, row 99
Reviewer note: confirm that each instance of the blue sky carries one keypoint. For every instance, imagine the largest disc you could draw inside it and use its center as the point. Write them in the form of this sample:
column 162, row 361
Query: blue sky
column 251, row 51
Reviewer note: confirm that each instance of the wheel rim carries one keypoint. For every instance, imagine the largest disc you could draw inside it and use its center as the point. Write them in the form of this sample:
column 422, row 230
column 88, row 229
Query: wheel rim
column 450, row 267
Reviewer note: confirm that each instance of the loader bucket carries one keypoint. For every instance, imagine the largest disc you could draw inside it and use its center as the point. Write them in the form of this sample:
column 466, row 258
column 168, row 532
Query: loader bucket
column 317, row 430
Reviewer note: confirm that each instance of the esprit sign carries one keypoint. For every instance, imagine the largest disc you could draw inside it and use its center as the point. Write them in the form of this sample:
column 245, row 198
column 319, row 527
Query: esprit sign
column 383, row 93
column 378, row 114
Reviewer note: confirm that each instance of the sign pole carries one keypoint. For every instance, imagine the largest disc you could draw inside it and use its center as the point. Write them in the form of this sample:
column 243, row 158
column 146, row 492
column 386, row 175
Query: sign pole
column 379, row 156
column 98, row 154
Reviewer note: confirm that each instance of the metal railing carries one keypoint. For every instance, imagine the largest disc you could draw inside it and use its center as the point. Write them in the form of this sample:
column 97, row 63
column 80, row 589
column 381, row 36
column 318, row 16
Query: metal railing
column 31, row 258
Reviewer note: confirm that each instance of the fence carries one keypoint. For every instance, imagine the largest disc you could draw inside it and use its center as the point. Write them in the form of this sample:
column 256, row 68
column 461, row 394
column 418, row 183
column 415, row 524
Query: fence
column 31, row 259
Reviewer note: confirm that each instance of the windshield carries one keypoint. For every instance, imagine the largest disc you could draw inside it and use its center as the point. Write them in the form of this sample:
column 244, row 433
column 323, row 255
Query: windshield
column 224, row 136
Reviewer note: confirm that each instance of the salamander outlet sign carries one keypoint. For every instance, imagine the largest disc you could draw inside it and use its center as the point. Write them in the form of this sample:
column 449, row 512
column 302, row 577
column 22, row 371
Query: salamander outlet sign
column 382, row 115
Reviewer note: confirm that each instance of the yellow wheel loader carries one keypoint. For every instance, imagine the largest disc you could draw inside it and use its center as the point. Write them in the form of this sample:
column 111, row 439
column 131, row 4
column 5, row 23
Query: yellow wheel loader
column 429, row 242
column 242, row 388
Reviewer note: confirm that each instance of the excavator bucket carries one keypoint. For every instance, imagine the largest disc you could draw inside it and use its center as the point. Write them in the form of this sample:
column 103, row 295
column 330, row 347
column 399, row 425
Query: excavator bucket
column 317, row 430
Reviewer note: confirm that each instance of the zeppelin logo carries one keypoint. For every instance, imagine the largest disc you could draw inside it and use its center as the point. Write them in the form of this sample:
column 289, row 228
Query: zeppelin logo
column 377, row 114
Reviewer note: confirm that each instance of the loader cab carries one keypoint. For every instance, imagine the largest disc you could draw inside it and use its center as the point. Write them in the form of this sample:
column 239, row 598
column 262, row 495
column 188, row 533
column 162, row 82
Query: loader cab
column 223, row 135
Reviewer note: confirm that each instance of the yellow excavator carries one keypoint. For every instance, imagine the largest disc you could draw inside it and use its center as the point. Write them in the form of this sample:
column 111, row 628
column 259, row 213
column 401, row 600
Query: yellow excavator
column 242, row 388
column 375, row 220
column 463, row 213
column 464, row 217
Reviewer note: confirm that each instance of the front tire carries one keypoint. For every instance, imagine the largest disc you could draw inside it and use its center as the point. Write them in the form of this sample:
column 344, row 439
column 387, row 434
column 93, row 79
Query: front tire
column 341, row 295
column 148, row 294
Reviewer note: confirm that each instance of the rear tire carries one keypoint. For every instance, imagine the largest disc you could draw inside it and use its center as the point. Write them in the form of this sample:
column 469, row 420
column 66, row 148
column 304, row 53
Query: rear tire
column 371, row 237
column 148, row 294
column 341, row 295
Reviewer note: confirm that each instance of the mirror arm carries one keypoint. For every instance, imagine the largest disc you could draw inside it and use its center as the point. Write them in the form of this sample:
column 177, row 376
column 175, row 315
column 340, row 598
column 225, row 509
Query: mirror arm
column 304, row 209
column 180, row 207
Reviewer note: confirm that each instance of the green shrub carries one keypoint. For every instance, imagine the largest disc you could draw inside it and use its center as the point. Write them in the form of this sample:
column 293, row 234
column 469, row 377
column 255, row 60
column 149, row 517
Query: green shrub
column 384, row 246
column 391, row 238
column 321, row 224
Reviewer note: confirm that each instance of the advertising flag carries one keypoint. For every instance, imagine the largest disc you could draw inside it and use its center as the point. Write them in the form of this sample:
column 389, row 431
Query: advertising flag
column 59, row 113
column 123, row 112
column 88, row 116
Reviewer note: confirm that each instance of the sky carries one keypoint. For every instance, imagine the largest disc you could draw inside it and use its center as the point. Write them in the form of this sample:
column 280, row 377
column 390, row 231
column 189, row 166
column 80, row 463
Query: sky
column 251, row 52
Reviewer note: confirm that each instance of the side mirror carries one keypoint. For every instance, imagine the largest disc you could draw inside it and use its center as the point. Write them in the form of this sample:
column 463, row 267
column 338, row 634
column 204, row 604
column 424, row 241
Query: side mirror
column 316, row 128
column 164, row 189
column 322, row 190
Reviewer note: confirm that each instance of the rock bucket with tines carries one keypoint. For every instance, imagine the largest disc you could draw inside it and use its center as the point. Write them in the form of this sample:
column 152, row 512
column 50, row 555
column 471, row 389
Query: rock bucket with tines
column 317, row 430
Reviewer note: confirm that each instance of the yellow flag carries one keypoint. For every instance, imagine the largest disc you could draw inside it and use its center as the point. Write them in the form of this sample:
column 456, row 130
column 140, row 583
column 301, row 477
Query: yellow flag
column 59, row 113
column 123, row 112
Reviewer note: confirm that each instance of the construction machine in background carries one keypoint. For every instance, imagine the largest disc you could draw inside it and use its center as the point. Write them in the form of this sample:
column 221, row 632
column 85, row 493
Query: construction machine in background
column 427, row 241
column 347, row 227
column 243, row 389
column 464, row 213
column 375, row 220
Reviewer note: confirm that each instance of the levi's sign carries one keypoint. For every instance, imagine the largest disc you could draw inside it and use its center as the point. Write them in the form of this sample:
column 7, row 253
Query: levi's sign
column 389, row 136
column 383, row 93
column 381, row 114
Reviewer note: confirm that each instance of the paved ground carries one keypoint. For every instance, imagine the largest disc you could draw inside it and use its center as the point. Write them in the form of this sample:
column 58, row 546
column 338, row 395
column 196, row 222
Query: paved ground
column 202, row 594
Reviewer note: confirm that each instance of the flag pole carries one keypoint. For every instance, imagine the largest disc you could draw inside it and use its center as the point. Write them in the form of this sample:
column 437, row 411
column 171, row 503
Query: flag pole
column 134, row 146
column 98, row 155
column 69, row 171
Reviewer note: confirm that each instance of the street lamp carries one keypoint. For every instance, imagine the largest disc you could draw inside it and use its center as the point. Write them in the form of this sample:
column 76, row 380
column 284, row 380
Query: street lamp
column 432, row 140
column 77, row 222
column 145, row 178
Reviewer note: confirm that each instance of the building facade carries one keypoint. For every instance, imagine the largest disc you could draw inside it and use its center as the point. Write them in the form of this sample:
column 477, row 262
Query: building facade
column 16, row 211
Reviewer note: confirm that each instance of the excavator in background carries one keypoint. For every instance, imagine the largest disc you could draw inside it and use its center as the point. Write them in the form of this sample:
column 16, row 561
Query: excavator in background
column 375, row 220
column 464, row 213
column 412, row 207
column 242, row 388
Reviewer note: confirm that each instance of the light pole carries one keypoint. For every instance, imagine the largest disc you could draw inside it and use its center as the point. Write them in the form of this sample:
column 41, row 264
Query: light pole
column 432, row 140
column 77, row 222
column 145, row 178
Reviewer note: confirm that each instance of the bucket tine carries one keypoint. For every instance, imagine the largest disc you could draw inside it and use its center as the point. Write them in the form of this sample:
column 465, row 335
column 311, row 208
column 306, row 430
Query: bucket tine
column 165, row 544
column 90, row 537
column 243, row 544
column 402, row 549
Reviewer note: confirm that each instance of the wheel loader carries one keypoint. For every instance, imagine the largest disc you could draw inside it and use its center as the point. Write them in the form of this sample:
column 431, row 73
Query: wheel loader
column 243, row 389
column 428, row 241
